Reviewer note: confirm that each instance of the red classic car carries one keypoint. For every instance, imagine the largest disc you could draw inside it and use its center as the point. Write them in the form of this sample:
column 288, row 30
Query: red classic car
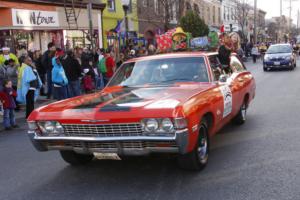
column 170, row 103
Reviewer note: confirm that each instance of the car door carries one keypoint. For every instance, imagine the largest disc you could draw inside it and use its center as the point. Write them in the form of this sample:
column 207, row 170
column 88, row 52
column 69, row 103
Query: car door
column 237, row 82
column 223, row 98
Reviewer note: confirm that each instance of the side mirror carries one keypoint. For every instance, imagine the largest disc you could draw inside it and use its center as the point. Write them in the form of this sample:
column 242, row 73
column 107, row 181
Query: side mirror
column 223, row 78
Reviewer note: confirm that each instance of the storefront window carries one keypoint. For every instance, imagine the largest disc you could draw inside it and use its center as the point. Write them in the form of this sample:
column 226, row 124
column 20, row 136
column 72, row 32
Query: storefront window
column 111, row 5
column 5, row 39
column 77, row 39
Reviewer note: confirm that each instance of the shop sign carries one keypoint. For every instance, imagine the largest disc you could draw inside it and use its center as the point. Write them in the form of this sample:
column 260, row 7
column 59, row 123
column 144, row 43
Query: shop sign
column 34, row 18
column 231, row 27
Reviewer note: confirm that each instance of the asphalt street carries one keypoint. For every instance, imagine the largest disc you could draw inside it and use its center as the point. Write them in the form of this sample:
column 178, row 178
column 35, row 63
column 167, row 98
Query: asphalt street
column 259, row 160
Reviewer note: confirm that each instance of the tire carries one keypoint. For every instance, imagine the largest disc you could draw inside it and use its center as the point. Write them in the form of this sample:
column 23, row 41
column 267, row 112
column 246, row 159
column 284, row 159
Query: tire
column 76, row 159
column 241, row 117
column 265, row 69
column 198, row 158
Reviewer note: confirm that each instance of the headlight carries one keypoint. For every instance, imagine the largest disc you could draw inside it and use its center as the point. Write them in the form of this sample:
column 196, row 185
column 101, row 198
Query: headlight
column 151, row 125
column 288, row 58
column 51, row 128
column 167, row 125
column 32, row 126
column 267, row 58
column 158, row 126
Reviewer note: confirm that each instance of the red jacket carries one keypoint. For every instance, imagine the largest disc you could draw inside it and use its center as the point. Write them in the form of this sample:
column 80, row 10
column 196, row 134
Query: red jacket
column 6, row 100
column 110, row 65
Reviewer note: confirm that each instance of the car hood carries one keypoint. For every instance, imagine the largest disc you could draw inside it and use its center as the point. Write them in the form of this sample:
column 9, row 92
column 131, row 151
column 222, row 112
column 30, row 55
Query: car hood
column 120, row 102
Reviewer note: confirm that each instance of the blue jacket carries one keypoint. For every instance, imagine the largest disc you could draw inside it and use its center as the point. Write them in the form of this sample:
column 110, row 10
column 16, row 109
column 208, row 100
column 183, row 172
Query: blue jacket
column 58, row 74
column 26, row 78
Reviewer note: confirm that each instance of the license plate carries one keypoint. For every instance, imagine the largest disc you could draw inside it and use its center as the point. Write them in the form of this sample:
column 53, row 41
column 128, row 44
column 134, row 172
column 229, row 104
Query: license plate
column 107, row 156
column 276, row 63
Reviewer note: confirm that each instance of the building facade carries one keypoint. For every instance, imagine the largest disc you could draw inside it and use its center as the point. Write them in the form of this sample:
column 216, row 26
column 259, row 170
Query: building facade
column 229, row 13
column 209, row 10
column 260, row 25
column 114, row 22
column 281, row 24
column 35, row 23
column 156, row 17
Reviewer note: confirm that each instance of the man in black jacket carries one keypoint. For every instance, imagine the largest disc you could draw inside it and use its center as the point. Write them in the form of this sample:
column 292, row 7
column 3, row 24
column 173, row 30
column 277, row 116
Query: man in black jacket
column 47, row 64
column 73, row 72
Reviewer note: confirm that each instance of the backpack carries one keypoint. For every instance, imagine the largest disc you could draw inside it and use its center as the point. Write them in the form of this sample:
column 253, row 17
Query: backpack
column 102, row 65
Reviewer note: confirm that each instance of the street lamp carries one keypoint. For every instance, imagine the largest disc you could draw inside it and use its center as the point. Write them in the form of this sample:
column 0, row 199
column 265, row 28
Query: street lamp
column 125, row 4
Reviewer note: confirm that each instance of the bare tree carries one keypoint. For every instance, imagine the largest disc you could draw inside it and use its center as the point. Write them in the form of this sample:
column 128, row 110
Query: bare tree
column 162, row 12
column 273, row 28
column 242, row 15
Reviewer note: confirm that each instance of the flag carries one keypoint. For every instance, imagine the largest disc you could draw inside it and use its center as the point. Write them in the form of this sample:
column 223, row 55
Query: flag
column 118, row 27
column 222, row 29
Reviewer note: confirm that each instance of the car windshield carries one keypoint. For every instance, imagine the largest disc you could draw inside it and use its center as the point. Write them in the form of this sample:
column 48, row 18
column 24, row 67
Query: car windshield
column 161, row 71
column 279, row 49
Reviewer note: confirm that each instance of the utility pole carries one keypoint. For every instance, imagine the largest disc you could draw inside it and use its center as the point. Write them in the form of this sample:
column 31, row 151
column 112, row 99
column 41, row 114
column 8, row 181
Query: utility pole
column 280, row 25
column 290, row 16
column 290, row 19
column 255, row 22
column 297, row 23
column 297, row 19
column 89, row 9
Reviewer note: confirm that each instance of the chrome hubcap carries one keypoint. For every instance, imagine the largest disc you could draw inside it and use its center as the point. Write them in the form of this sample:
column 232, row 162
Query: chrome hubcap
column 203, row 146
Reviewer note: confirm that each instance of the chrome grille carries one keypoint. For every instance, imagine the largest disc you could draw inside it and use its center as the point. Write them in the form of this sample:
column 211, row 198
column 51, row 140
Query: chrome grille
column 103, row 130
column 113, row 145
column 277, row 59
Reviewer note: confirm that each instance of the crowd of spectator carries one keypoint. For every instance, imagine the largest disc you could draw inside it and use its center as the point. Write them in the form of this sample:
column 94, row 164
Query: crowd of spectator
column 56, row 74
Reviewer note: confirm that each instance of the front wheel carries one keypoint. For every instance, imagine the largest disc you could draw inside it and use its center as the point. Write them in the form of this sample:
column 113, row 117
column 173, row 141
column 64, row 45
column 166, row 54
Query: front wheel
column 74, row 158
column 198, row 158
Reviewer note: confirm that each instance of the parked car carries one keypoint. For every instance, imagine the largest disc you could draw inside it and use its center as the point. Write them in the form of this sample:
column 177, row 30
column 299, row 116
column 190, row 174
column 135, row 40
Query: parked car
column 170, row 103
column 280, row 56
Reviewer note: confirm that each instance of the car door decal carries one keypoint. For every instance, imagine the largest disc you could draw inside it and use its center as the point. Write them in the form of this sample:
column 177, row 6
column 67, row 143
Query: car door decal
column 227, row 97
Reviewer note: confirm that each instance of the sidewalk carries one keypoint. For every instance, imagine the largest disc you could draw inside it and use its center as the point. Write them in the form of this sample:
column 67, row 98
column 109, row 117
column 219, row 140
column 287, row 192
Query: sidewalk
column 20, row 116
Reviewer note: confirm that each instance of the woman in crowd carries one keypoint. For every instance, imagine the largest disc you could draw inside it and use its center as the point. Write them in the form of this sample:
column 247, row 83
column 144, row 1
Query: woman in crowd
column 37, row 60
column 254, row 53
column 73, row 72
column 59, row 79
column 30, row 85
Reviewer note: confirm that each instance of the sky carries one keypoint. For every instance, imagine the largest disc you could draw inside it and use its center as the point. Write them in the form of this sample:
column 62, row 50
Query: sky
column 272, row 7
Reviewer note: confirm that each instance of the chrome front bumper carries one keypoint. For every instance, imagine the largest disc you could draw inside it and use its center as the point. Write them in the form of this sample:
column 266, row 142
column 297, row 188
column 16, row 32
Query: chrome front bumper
column 136, row 145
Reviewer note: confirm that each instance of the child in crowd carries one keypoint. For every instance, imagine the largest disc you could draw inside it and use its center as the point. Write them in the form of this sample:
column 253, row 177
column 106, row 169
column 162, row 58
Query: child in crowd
column 7, row 98
column 88, row 79
column 12, row 74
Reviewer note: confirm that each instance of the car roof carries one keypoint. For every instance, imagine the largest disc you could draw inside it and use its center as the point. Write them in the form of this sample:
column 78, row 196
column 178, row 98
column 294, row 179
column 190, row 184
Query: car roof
column 173, row 55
